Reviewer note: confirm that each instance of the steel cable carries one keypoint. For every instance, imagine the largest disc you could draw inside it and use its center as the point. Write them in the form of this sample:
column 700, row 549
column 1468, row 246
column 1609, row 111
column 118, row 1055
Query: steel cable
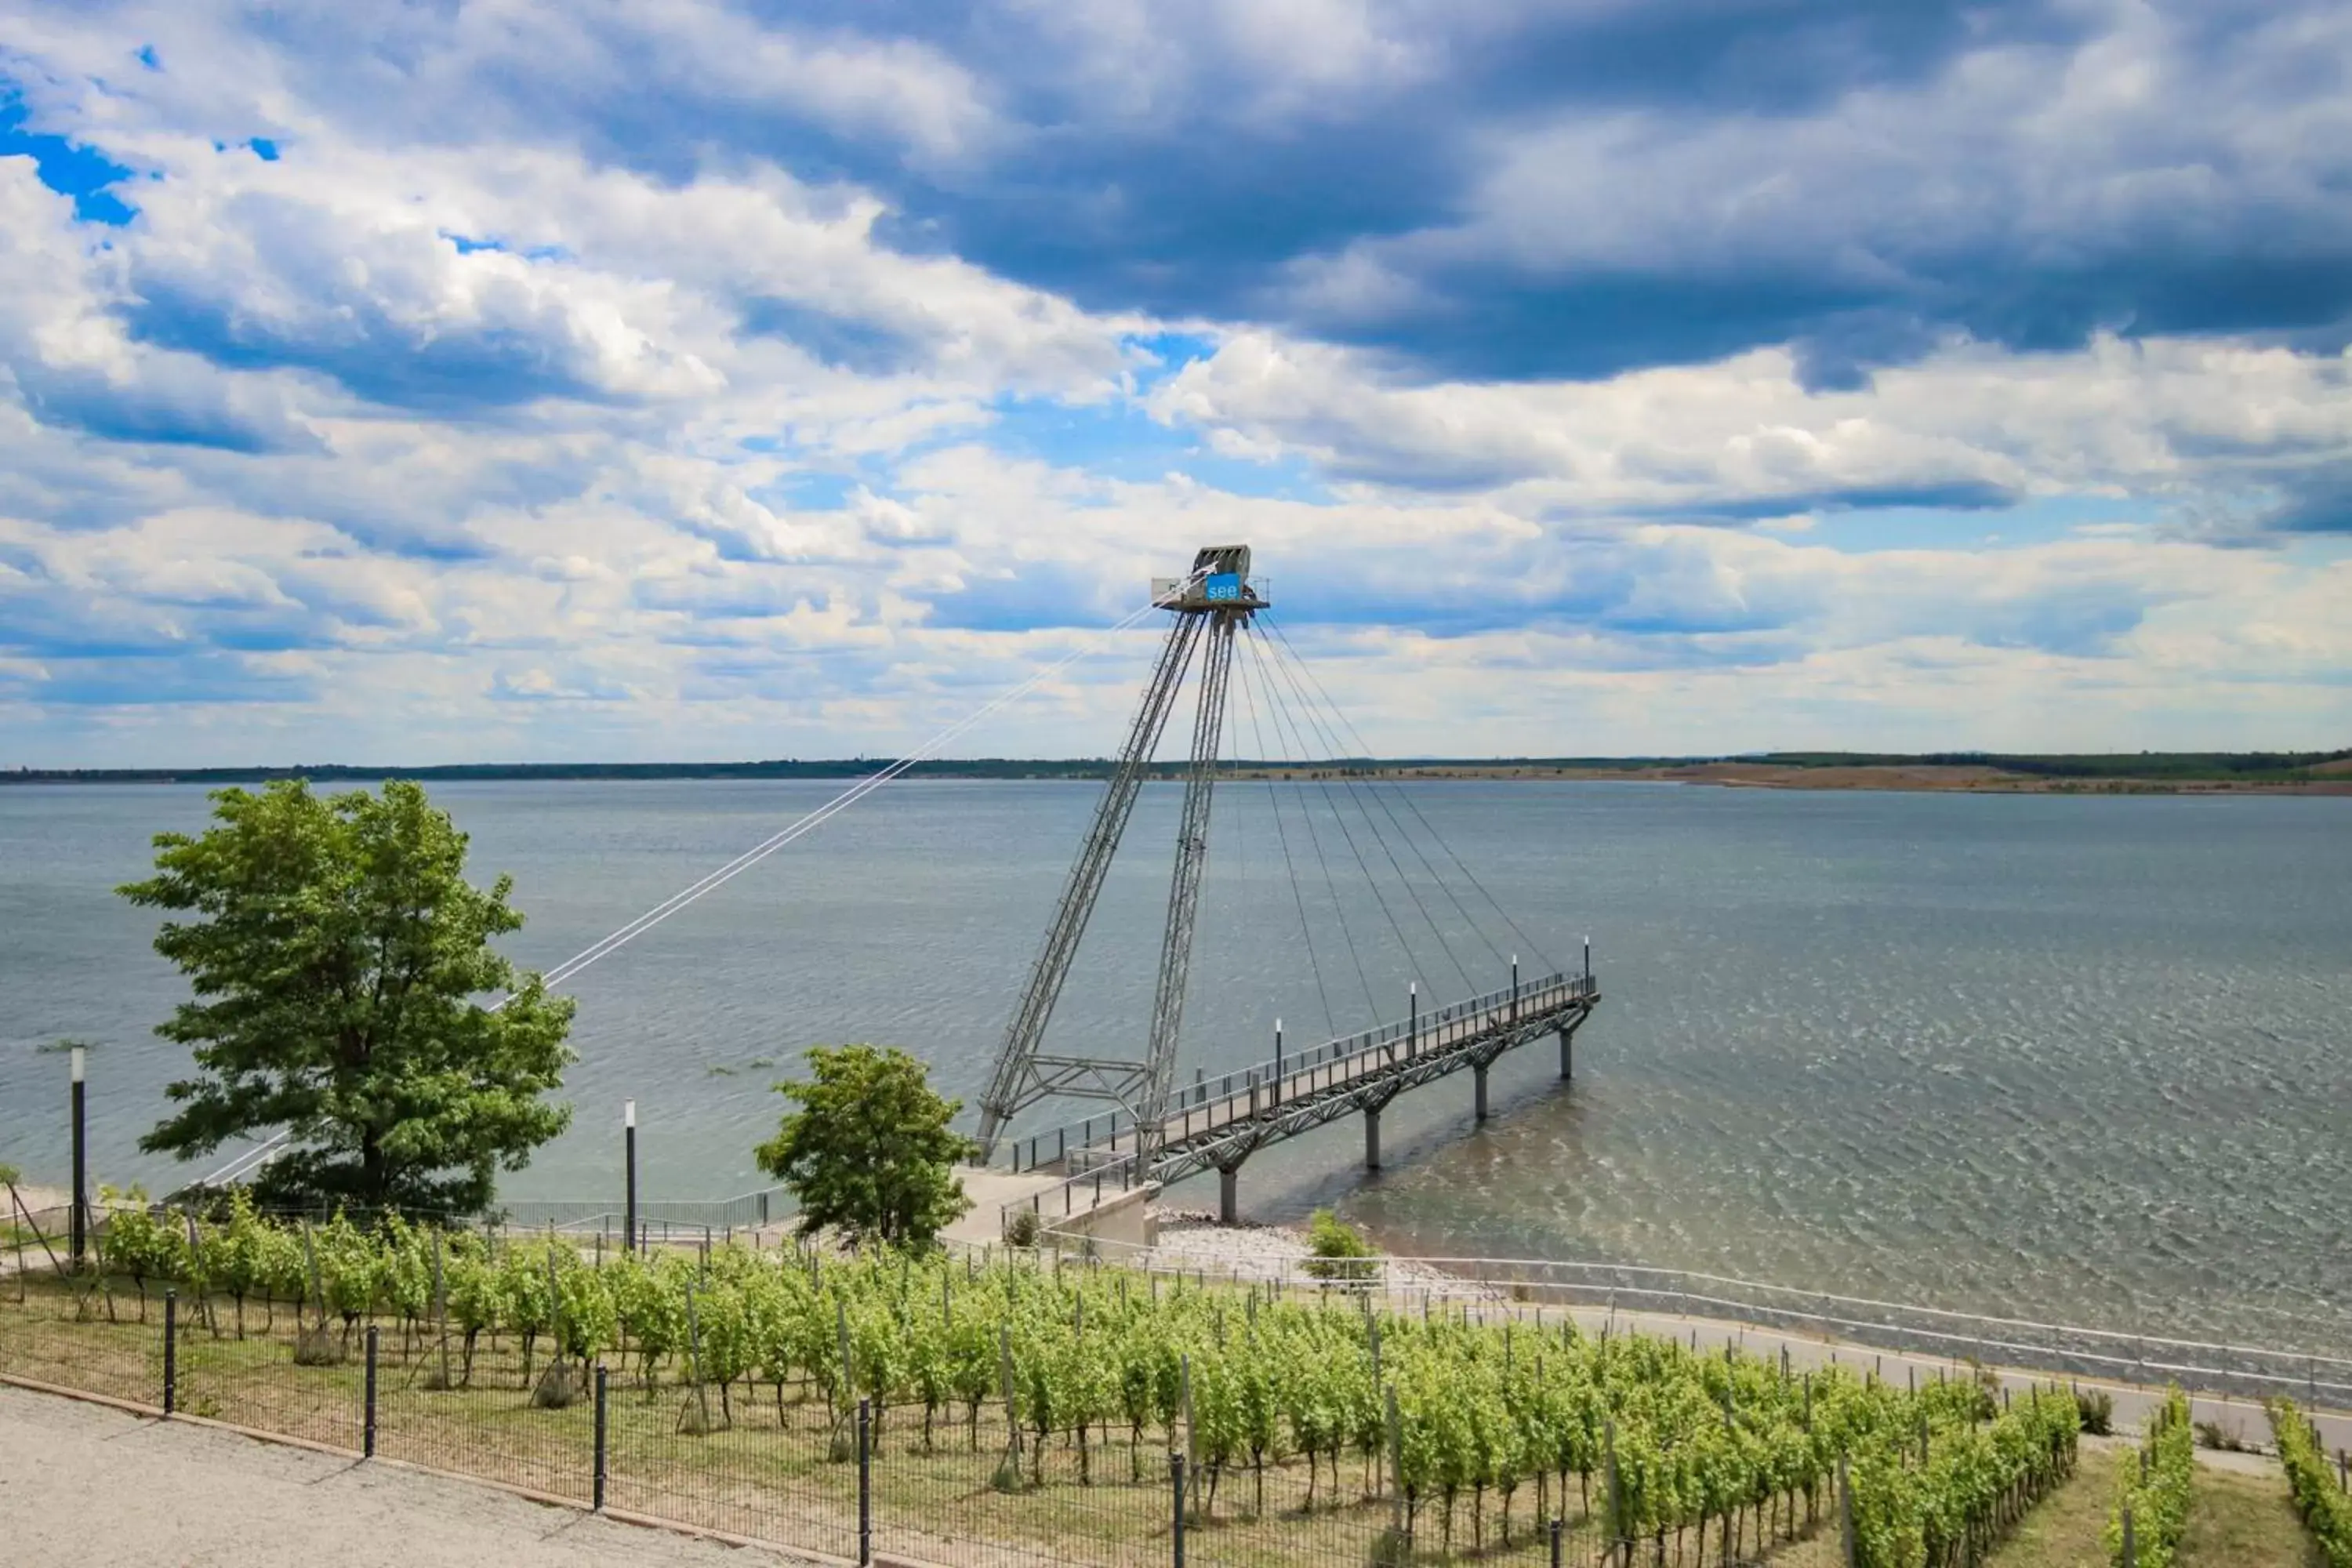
column 1412, row 960
column 1372, row 788
column 1380, row 838
column 1472, row 877
column 1331, row 884
column 1274, row 801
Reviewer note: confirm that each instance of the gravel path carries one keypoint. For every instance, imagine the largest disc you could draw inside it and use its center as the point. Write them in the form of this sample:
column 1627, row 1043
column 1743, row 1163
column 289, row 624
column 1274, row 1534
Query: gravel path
column 83, row 1483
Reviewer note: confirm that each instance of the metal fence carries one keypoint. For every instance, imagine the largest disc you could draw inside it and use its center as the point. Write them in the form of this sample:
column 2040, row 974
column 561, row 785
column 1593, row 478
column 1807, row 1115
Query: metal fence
column 666, row 1218
column 766, row 1462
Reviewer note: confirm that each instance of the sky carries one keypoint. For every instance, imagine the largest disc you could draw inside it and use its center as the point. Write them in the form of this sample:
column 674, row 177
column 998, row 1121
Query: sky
column 673, row 379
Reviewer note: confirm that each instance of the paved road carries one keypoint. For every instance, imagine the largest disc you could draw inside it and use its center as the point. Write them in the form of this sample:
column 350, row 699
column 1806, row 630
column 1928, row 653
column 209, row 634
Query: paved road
column 83, row 1483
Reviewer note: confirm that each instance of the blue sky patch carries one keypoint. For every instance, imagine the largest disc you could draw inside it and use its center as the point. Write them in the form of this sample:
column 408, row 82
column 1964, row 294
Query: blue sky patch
column 1117, row 439
column 67, row 167
column 809, row 491
column 1172, row 351
column 2039, row 520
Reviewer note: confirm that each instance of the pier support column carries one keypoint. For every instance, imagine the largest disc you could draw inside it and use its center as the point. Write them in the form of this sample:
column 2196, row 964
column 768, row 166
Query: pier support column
column 1567, row 1052
column 1372, row 1106
column 1478, row 1073
column 1229, row 1195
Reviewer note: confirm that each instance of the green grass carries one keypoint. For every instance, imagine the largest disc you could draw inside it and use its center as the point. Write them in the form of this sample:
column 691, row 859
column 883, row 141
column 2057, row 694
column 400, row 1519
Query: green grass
column 2064, row 1532
column 2234, row 1521
column 2244, row 1521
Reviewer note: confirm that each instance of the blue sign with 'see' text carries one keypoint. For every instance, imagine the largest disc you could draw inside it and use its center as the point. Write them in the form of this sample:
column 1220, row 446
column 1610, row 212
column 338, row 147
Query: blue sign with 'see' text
column 1221, row 586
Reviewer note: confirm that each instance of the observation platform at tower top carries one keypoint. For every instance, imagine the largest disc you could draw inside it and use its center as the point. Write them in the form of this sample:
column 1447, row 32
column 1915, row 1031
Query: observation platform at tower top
column 1213, row 591
column 1217, row 1123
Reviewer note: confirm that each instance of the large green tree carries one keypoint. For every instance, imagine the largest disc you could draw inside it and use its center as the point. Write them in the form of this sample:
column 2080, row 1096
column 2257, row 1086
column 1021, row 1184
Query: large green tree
column 337, row 956
column 869, row 1152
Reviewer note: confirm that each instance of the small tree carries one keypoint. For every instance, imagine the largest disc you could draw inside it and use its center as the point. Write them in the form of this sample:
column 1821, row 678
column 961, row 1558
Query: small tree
column 869, row 1151
column 1337, row 1249
column 336, row 952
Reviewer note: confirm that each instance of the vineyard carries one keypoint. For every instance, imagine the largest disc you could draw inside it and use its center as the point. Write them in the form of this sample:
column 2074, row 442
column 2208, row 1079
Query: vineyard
column 1029, row 1410
column 2317, row 1488
column 2153, row 1491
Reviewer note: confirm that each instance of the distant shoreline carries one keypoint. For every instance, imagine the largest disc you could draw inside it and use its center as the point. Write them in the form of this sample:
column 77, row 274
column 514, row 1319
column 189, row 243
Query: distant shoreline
column 2154, row 773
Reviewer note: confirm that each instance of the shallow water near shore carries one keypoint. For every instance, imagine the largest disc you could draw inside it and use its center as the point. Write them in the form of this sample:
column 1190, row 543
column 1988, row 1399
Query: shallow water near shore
column 2081, row 1060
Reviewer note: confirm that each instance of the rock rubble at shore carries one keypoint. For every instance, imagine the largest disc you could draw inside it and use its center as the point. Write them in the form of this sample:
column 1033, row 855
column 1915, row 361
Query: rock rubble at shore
column 1191, row 1238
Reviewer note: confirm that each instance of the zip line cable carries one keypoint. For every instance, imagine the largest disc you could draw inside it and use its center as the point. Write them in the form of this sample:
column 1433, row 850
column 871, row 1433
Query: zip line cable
column 1533, row 946
column 815, row 819
column 614, row 942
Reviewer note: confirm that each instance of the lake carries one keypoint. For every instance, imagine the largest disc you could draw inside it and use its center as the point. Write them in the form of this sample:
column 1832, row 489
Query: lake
column 2081, row 1058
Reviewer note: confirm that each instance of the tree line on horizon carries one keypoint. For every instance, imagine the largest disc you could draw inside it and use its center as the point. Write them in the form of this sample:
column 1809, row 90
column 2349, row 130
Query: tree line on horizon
column 2267, row 767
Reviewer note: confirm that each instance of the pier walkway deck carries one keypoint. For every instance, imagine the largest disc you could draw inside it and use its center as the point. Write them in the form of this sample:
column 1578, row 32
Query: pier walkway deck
column 1216, row 1124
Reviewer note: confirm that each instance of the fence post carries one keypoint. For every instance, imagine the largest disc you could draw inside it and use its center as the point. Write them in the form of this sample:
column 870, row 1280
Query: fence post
column 2131, row 1550
column 81, row 1218
column 865, row 1482
column 171, row 1350
column 602, row 1440
column 630, row 1240
column 1555, row 1542
column 367, row 1420
column 1176, row 1529
column 1845, row 1512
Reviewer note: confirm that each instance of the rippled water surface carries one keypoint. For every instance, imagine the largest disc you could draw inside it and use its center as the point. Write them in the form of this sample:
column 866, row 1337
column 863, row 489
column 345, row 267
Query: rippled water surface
column 2069, row 1057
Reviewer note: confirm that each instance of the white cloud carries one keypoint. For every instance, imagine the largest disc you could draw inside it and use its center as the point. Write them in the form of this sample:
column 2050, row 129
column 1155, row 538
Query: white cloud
column 710, row 458
column 2159, row 418
column 2134, row 143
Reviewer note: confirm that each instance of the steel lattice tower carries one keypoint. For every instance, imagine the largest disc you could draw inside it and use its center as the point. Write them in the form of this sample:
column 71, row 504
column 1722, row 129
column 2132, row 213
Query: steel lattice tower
column 1209, row 605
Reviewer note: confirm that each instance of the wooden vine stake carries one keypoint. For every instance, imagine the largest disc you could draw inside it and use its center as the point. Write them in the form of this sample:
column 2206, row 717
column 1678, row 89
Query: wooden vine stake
column 1008, row 1469
column 1845, row 1512
column 312, row 1346
column 694, row 1416
column 440, row 1315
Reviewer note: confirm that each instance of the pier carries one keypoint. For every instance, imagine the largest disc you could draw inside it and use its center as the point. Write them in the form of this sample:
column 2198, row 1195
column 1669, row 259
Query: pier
column 1217, row 1124
column 1156, row 1131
